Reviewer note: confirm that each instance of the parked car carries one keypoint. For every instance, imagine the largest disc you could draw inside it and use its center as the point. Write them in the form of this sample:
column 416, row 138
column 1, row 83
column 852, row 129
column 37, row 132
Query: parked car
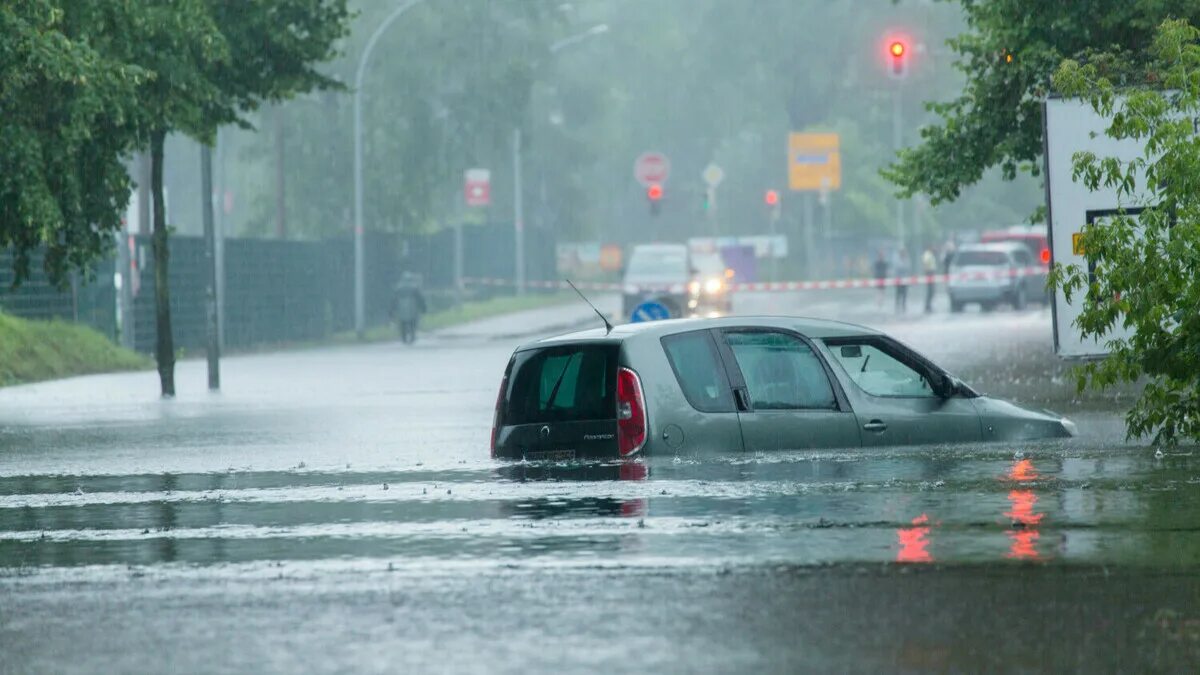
column 659, row 272
column 1036, row 239
column 994, row 274
column 736, row 384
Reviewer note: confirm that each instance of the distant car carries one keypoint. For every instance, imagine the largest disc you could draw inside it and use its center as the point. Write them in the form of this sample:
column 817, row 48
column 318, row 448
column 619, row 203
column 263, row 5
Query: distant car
column 659, row 272
column 709, row 289
column 735, row 384
column 993, row 275
column 1036, row 239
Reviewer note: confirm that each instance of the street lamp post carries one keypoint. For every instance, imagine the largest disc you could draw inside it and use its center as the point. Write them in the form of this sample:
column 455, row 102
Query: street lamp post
column 360, row 303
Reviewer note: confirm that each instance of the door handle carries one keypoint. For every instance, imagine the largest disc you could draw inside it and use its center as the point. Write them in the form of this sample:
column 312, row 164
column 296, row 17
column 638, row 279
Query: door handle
column 875, row 425
column 742, row 397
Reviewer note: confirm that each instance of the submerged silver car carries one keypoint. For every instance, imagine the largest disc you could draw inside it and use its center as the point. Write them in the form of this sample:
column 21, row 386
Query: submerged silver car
column 739, row 384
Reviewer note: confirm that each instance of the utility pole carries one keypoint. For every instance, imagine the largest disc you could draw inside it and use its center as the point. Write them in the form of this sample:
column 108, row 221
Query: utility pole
column 210, row 268
column 518, row 215
column 280, row 181
column 898, row 144
column 810, row 258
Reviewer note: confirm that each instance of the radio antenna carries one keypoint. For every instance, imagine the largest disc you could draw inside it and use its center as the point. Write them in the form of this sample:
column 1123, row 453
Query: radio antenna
column 607, row 326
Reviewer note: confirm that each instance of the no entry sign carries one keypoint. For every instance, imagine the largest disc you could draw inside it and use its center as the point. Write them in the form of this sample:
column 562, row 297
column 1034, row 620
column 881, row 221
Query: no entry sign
column 651, row 168
column 477, row 187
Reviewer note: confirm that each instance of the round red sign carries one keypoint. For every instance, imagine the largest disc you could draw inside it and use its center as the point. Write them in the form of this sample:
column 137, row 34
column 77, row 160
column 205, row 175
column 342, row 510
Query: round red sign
column 651, row 168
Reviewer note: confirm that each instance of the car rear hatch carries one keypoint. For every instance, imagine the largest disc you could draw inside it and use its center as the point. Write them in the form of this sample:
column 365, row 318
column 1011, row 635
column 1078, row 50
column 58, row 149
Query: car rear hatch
column 559, row 403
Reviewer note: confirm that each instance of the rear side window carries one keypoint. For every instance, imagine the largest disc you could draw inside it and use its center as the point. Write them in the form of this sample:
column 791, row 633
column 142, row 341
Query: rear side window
column 698, row 369
column 569, row 383
column 781, row 372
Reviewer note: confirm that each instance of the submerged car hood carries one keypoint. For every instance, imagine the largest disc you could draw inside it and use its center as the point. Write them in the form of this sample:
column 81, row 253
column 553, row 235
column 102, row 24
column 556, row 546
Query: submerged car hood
column 1005, row 420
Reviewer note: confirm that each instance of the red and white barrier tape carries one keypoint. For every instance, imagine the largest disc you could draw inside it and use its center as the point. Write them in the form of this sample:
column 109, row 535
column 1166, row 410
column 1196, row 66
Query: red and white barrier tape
column 766, row 286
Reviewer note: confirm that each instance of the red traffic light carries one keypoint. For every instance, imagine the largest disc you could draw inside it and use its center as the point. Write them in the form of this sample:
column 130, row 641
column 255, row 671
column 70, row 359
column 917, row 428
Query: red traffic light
column 896, row 48
column 654, row 192
column 771, row 198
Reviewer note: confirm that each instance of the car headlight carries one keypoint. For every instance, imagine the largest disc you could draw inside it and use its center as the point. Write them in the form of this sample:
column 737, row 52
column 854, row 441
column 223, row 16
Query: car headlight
column 713, row 286
column 694, row 288
column 1070, row 427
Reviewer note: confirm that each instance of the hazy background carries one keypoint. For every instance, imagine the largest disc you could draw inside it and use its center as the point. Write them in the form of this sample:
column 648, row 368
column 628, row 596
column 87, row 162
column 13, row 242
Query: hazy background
column 703, row 81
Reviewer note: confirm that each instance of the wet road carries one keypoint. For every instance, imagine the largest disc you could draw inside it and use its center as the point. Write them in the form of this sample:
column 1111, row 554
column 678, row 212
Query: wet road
column 335, row 510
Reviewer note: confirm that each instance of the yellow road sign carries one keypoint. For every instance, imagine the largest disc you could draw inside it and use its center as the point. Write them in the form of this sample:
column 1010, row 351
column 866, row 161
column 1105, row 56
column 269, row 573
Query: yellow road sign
column 814, row 162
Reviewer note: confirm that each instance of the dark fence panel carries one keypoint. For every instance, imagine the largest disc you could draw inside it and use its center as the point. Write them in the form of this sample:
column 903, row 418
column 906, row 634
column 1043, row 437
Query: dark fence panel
column 89, row 298
column 275, row 291
column 488, row 252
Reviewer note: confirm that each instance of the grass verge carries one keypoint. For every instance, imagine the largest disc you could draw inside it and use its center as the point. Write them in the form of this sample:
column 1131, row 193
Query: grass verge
column 467, row 312
column 32, row 350
column 483, row 309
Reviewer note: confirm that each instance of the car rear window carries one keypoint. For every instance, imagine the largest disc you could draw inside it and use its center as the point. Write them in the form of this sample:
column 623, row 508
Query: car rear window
column 567, row 383
column 698, row 369
column 980, row 258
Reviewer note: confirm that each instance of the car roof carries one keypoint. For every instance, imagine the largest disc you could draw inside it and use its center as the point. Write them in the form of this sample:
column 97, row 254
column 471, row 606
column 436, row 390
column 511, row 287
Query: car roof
column 993, row 246
column 808, row 327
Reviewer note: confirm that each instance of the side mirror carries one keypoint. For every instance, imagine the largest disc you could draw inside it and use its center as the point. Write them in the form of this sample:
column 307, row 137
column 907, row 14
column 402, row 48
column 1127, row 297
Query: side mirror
column 946, row 385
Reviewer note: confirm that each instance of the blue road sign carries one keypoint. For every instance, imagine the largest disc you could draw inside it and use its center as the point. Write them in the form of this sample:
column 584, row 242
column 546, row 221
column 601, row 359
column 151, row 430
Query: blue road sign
column 650, row 311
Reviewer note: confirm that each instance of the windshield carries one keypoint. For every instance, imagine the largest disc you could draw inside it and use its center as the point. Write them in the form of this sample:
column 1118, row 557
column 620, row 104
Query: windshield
column 562, row 384
column 989, row 258
column 658, row 263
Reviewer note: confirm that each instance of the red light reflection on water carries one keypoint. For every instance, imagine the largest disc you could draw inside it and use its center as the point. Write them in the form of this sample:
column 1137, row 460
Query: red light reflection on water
column 1023, row 470
column 914, row 542
column 633, row 508
column 1024, row 535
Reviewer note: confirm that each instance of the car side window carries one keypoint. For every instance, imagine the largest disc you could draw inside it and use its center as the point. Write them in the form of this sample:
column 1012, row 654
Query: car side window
column 781, row 372
column 879, row 373
column 698, row 369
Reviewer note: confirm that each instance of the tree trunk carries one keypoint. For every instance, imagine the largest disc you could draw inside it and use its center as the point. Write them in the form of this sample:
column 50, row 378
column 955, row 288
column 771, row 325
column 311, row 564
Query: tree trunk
column 164, row 350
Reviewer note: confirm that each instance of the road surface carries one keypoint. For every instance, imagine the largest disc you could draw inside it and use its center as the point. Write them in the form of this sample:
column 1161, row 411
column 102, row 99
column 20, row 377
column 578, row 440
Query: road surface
column 335, row 510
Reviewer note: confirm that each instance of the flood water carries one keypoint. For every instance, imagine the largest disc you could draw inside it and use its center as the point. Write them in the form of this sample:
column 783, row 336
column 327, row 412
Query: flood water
column 349, row 468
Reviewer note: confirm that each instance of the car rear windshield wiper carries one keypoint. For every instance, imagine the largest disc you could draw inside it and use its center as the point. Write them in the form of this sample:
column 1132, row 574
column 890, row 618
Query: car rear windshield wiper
column 558, row 382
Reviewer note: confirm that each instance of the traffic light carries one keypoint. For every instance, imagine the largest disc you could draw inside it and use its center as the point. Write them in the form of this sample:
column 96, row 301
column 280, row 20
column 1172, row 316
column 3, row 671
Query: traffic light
column 706, row 200
column 771, row 199
column 897, row 50
column 654, row 193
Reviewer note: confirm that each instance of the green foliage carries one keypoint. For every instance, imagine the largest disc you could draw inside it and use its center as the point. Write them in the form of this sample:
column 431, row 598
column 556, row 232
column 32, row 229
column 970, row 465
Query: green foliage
column 1146, row 269
column 41, row 350
column 997, row 121
column 65, row 122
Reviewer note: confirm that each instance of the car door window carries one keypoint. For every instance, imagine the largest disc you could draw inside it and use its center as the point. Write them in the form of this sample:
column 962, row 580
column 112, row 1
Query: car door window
column 879, row 373
column 698, row 369
column 781, row 372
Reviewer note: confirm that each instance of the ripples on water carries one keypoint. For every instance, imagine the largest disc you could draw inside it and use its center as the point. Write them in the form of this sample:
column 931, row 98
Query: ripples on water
column 1037, row 502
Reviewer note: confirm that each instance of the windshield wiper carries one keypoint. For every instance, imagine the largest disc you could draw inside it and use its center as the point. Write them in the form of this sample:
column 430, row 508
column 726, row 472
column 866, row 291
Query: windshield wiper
column 558, row 382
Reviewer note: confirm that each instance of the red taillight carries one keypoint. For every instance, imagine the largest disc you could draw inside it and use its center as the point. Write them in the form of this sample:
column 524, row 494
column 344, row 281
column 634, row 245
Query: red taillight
column 1045, row 256
column 631, row 413
column 496, row 416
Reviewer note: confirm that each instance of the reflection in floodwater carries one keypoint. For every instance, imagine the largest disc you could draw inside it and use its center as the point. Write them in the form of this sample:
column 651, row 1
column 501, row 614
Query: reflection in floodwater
column 590, row 506
column 914, row 542
column 1024, row 535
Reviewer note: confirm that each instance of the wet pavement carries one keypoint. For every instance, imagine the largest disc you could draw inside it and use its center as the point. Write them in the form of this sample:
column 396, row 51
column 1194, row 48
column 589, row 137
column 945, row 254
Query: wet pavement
column 336, row 511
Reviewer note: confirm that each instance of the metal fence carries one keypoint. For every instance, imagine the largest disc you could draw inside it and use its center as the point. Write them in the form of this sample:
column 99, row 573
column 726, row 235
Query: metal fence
column 274, row 291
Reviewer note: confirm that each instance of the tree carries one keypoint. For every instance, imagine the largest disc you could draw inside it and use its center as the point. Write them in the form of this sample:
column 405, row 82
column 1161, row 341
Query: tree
column 1008, row 55
column 1146, row 269
column 208, row 62
column 64, row 125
